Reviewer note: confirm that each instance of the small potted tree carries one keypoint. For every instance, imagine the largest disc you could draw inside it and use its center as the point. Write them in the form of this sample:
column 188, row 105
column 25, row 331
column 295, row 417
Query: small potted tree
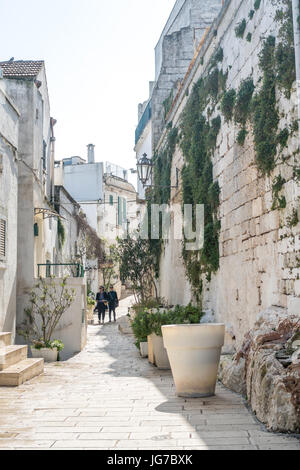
column 47, row 303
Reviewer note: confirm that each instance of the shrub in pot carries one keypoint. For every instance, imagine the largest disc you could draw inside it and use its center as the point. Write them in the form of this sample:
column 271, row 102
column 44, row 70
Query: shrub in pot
column 49, row 352
column 48, row 301
column 141, row 327
column 176, row 315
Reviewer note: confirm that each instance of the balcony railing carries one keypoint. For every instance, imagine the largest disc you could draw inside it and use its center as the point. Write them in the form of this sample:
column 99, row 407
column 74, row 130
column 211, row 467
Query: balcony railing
column 60, row 270
column 143, row 122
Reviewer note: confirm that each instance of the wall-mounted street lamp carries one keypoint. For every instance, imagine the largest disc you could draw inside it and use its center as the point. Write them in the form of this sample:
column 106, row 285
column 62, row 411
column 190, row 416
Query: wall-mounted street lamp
column 145, row 171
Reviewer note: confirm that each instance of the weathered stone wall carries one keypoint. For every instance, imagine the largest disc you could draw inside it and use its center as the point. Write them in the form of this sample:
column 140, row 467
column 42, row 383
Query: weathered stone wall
column 9, row 118
column 175, row 51
column 259, row 253
column 33, row 186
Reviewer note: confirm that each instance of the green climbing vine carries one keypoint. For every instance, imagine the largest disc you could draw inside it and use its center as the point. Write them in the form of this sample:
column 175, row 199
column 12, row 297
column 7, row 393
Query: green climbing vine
column 227, row 104
column 253, row 109
column 168, row 103
column 257, row 4
column 279, row 202
column 161, row 192
column 240, row 28
column 60, row 233
column 265, row 112
column 285, row 51
column 198, row 141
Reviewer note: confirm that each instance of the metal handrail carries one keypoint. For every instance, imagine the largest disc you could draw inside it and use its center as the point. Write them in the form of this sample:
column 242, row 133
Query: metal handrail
column 79, row 267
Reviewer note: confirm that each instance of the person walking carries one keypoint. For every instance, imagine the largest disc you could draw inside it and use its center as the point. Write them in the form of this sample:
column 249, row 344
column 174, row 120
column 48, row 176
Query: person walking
column 102, row 301
column 113, row 302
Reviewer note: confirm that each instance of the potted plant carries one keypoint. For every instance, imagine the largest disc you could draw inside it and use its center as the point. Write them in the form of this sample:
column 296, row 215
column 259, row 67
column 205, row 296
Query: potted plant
column 91, row 306
column 140, row 325
column 163, row 317
column 194, row 352
column 160, row 356
column 48, row 301
column 50, row 351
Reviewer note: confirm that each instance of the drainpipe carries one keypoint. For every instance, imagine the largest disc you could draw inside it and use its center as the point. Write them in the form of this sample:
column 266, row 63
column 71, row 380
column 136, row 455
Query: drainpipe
column 296, row 16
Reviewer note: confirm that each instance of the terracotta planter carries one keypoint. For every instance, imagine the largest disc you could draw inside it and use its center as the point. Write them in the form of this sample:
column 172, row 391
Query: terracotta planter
column 194, row 352
column 144, row 349
column 160, row 354
column 49, row 355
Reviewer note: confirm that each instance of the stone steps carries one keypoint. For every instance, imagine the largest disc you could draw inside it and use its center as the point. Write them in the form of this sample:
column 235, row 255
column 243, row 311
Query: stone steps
column 15, row 367
column 19, row 373
column 10, row 355
column 5, row 339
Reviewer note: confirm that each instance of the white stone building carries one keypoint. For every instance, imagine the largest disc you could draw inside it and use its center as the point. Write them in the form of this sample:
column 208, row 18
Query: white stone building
column 72, row 243
column 26, row 83
column 9, row 127
column 84, row 182
column 119, row 213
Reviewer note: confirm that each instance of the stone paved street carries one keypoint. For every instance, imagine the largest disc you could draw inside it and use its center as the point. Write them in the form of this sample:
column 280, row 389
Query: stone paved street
column 107, row 397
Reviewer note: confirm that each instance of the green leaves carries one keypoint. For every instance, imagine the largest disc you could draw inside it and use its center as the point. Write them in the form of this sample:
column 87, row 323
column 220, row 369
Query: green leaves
column 48, row 302
column 243, row 101
column 136, row 264
column 240, row 28
column 265, row 112
column 227, row 104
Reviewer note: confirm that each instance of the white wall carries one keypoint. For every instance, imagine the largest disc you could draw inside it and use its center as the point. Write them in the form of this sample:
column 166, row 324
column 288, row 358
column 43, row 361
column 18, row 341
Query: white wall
column 144, row 145
column 72, row 328
column 84, row 182
column 9, row 117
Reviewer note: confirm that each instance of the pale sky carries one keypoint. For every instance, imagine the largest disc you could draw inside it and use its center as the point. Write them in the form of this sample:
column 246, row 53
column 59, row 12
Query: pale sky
column 99, row 60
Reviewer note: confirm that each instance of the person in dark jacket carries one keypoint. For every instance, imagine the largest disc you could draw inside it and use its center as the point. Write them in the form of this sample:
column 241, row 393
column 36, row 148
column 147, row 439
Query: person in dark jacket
column 102, row 302
column 113, row 302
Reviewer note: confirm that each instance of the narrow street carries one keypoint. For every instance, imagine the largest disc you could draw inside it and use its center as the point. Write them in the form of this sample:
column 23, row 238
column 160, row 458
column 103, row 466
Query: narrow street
column 107, row 397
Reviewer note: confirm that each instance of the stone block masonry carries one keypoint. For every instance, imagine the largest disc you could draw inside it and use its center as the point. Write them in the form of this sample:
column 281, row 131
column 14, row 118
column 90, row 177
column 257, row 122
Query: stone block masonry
column 259, row 242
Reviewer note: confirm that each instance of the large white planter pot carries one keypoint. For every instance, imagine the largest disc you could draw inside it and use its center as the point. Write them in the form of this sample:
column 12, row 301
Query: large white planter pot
column 49, row 355
column 144, row 349
column 160, row 353
column 194, row 352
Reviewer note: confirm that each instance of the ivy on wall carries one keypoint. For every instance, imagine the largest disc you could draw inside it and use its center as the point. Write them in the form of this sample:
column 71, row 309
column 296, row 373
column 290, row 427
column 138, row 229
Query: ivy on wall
column 60, row 233
column 161, row 192
column 253, row 109
column 198, row 136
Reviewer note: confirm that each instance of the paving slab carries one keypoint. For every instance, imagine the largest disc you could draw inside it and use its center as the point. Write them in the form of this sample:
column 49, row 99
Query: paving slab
column 108, row 397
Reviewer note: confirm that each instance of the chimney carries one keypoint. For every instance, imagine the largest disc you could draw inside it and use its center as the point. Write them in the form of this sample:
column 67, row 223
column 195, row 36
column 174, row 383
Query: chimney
column 91, row 153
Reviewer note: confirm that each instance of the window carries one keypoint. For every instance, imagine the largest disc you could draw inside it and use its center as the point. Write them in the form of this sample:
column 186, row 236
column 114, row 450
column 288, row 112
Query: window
column 122, row 210
column 44, row 158
column 111, row 200
column 2, row 238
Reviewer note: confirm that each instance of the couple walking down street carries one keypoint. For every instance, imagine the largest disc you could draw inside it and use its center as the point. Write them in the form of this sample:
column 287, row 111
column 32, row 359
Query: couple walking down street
column 106, row 300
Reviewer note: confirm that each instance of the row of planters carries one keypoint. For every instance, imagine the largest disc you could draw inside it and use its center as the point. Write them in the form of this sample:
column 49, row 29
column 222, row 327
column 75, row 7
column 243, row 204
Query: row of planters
column 176, row 339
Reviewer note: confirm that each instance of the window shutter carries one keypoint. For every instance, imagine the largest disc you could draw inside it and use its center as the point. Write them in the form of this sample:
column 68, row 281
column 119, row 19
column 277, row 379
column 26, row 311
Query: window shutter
column 111, row 200
column 124, row 210
column 2, row 238
column 120, row 207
